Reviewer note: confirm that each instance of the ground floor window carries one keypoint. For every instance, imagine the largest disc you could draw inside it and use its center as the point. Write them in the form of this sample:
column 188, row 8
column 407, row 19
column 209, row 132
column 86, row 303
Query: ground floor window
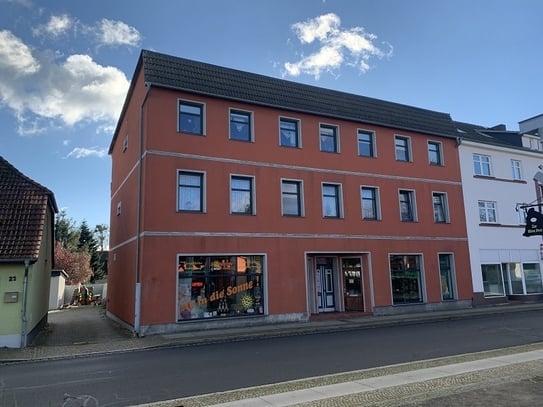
column 405, row 275
column 511, row 279
column 447, row 276
column 492, row 280
column 219, row 286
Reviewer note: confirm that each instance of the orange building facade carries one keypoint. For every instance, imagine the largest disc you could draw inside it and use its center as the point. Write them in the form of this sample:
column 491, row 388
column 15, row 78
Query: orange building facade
column 241, row 199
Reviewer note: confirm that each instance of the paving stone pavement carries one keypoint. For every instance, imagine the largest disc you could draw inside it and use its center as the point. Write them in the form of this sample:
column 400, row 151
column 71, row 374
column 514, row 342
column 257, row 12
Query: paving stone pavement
column 504, row 377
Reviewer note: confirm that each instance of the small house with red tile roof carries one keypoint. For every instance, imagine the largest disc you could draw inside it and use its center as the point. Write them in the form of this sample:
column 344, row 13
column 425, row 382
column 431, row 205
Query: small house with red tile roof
column 27, row 216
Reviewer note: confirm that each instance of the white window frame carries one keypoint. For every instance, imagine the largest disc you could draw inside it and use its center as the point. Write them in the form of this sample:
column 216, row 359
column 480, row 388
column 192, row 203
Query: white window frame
column 202, row 174
column 516, row 169
column 339, row 201
column 479, row 162
column 488, row 206
column 300, row 197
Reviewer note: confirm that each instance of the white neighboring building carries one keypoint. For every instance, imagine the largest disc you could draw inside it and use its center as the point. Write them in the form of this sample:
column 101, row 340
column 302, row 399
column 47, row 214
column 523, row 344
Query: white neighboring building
column 498, row 169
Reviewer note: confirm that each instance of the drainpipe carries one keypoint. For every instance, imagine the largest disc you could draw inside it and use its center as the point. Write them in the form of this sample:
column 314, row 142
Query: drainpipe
column 25, row 296
column 137, row 302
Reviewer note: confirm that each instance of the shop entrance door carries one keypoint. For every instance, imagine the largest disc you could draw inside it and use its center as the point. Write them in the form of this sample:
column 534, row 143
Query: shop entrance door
column 352, row 284
column 324, row 279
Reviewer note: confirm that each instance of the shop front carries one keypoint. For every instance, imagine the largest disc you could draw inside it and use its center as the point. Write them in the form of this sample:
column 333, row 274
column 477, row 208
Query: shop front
column 219, row 286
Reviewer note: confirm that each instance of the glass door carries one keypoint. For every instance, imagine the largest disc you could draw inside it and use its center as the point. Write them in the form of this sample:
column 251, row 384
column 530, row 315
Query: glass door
column 324, row 282
column 352, row 284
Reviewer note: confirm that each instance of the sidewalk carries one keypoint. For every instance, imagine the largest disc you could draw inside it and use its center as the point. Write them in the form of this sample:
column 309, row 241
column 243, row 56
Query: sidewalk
column 505, row 377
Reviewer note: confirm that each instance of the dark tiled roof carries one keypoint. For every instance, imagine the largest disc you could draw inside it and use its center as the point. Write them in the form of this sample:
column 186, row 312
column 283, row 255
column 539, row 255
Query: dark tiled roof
column 202, row 78
column 23, row 207
column 493, row 135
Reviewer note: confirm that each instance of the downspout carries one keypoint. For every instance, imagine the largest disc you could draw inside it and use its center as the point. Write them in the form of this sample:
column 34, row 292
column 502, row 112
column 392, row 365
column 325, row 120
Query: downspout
column 137, row 302
column 25, row 296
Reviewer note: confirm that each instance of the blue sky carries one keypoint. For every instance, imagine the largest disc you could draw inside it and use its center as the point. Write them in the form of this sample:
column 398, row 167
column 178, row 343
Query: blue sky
column 65, row 66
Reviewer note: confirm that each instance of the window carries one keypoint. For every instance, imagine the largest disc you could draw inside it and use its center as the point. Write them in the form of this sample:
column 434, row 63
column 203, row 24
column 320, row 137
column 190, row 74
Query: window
column 532, row 277
column 407, row 206
column 191, row 191
column 291, row 198
column 487, row 212
column 366, row 147
column 240, row 125
column 191, row 117
column 125, row 143
column 219, row 286
column 447, row 277
column 492, row 280
column 402, row 148
column 370, row 203
column 289, row 132
column 515, row 170
column 241, row 195
column 434, row 153
column 329, row 138
column 481, row 165
column 406, row 280
column 119, row 208
column 440, row 207
column 331, row 201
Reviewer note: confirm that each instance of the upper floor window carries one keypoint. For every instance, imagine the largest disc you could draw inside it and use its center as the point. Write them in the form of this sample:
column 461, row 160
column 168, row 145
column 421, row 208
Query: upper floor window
column 370, row 203
column 401, row 145
column 487, row 212
column 407, row 206
column 441, row 214
column 516, row 170
column 191, row 191
column 191, row 117
column 240, row 125
column 481, row 165
column 289, row 132
column 329, row 138
column 242, row 195
column 331, row 201
column 291, row 197
column 434, row 153
column 366, row 143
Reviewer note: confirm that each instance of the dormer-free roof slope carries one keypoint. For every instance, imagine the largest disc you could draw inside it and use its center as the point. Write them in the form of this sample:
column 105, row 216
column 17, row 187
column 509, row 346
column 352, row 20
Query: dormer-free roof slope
column 202, row 78
column 23, row 208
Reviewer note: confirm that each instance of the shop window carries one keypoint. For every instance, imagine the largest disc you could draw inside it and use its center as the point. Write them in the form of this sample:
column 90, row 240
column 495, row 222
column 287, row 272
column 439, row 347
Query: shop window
column 447, row 276
column 492, row 280
column 406, row 279
column 219, row 286
column 532, row 277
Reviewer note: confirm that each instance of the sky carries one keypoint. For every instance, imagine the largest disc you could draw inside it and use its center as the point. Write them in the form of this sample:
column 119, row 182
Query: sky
column 65, row 67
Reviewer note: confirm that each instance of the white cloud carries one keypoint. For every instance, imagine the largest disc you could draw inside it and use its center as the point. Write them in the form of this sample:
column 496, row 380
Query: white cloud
column 337, row 46
column 80, row 152
column 77, row 89
column 117, row 33
column 56, row 26
column 16, row 56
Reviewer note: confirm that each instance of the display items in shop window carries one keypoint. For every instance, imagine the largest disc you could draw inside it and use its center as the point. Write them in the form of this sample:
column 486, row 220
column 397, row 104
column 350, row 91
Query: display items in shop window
column 219, row 286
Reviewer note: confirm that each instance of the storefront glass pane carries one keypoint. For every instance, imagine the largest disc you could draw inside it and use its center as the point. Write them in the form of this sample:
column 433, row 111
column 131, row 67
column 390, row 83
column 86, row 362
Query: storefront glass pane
column 532, row 276
column 492, row 280
column 513, row 278
column 446, row 274
column 406, row 281
column 219, row 286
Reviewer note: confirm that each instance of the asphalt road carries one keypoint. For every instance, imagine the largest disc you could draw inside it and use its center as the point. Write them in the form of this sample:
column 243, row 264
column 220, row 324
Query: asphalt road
column 125, row 379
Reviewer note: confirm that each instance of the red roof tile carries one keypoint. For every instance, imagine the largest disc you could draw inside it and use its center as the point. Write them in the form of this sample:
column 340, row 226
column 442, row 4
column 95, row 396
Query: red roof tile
column 23, row 208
